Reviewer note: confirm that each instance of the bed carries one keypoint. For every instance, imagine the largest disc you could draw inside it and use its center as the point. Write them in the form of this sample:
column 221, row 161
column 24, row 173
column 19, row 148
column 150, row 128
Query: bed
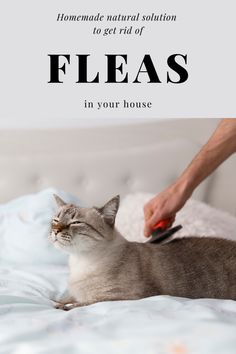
column 90, row 165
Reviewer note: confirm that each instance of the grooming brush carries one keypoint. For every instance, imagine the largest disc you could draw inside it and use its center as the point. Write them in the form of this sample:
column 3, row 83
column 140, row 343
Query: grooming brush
column 161, row 231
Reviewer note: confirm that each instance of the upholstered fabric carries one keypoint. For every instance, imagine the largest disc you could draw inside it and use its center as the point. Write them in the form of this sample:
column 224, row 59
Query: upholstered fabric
column 97, row 163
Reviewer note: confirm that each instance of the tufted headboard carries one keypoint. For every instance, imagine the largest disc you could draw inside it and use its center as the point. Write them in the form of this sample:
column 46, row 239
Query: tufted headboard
column 98, row 162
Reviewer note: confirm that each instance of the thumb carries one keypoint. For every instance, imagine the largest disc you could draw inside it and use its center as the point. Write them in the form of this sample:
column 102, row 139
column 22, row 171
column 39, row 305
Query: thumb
column 154, row 219
column 151, row 223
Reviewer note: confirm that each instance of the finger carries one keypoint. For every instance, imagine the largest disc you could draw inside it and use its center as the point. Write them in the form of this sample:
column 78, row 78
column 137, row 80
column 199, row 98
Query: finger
column 147, row 212
column 154, row 219
column 147, row 231
column 149, row 225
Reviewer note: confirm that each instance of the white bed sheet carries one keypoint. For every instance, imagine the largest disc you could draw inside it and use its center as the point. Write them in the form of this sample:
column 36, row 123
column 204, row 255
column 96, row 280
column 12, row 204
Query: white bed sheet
column 162, row 324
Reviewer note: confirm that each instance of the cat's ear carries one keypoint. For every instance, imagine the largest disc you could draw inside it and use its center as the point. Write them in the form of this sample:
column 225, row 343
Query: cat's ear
column 59, row 201
column 109, row 210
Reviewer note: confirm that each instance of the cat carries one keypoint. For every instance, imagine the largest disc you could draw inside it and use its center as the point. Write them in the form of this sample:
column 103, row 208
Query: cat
column 105, row 266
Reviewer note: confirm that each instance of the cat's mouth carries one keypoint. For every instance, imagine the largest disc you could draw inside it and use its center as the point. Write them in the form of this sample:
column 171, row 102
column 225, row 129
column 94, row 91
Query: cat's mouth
column 62, row 240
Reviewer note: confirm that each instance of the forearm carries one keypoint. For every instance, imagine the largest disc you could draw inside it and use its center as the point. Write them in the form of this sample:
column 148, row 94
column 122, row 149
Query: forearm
column 220, row 146
column 165, row 205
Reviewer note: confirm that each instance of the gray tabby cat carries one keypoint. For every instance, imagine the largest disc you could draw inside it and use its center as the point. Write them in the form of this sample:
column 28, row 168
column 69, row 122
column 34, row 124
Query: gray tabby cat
column 105, row 266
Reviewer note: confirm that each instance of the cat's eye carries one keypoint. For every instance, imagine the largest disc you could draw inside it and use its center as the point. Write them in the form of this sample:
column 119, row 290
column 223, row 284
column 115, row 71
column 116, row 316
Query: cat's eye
column 75, row 223
column 55, row 220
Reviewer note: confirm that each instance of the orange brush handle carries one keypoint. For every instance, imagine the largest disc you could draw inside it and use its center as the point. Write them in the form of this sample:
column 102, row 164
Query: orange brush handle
column 163, row 224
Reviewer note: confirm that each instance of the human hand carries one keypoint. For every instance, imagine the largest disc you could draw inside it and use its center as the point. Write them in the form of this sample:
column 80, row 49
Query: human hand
column 164, row 206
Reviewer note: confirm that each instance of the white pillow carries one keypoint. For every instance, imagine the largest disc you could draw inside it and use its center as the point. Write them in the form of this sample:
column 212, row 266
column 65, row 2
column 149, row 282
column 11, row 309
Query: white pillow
column 24, row 229
column 197, row 219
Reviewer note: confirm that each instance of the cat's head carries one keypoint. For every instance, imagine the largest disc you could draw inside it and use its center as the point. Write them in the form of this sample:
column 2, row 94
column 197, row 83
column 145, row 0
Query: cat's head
column 76, row 229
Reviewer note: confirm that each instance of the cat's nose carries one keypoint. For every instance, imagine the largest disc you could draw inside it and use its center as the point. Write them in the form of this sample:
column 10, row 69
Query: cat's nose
column 58, row 227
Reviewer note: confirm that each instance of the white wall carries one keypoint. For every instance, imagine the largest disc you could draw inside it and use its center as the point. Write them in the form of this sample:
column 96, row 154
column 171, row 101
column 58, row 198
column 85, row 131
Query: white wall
column 29, row 30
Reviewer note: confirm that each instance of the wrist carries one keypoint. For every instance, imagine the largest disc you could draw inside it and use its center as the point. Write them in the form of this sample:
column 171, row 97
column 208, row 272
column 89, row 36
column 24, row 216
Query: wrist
column 184, row 187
